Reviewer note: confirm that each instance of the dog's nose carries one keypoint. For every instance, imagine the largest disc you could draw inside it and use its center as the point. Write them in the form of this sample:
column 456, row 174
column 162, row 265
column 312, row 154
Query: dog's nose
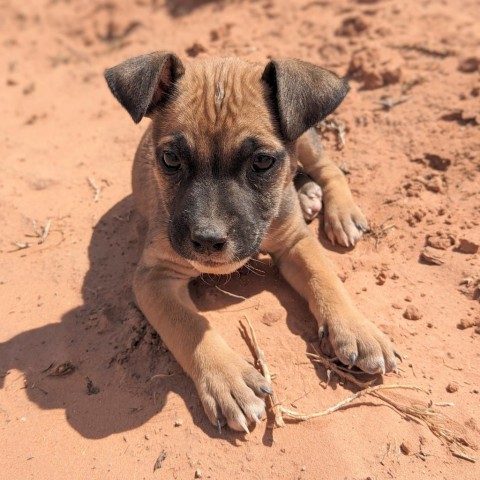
column 208, row 239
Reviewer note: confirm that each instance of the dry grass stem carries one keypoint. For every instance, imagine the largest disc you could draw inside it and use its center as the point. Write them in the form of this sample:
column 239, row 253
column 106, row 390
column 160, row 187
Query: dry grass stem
column 378, row 232
column 40, row 233
column 161, row 375
column 96, row 189
column 20, row 245
column 440, row 425
column 45, row 232
column 423, row 49
column 272, row 399
column 367, row 391
column 389, row 103
column 230, row 294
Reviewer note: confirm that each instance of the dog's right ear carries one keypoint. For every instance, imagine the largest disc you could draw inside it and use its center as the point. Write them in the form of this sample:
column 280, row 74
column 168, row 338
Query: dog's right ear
column 141, row 83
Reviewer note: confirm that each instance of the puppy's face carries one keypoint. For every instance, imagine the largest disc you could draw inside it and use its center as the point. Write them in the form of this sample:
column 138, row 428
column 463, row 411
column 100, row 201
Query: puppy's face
column 223, row 136
column 220, row 164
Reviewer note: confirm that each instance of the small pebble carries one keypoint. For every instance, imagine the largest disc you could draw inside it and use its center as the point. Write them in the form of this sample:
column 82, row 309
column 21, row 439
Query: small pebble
column 452, row 388
column 412, row 313
column 198, row 473
column 381, row 278
column 147, row 436
column 405, row 448
column 178, row 422
column 467, row 246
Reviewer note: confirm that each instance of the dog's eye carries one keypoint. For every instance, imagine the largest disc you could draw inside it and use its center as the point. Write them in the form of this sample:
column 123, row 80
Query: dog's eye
column 171, row 162
column 262, row 162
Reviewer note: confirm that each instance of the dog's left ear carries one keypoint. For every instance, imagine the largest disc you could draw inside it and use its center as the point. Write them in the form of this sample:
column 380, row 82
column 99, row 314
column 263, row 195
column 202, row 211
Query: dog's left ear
column 303, row 94
column 141, row 83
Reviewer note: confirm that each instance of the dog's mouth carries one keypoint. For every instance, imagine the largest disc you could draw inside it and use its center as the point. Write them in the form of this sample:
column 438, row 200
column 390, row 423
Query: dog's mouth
column 217, row 267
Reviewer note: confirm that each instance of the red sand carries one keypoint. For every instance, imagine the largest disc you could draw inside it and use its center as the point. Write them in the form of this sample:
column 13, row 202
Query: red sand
column 415, row 168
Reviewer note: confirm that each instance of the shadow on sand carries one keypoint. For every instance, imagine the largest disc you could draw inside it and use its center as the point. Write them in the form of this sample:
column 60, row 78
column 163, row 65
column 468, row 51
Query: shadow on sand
column 121, row 373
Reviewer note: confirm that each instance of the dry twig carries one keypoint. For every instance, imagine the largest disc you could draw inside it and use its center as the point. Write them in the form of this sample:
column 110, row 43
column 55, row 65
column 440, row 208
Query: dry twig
column 378, row 232
column 367, row 391
column 95, row 187
column 273, row 399
column 423, row 50
column 40, row 233
column 45, row 232
column 230, row 294
column 389, row 103
column 20, row 245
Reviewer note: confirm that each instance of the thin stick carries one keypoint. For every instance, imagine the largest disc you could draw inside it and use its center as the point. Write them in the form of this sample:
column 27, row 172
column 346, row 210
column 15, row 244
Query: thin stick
column 38, row 233
column 389, row 103
column 20, row 246
column 96, row 189
column 45, row 232
column 161, row 375
column 463, row 456
column 230, row 294
column 273, row 399
column 367, row 391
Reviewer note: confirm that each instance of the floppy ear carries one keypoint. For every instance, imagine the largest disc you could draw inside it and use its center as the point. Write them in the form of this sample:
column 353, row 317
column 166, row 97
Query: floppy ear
column 141, row 83
column 303, row 94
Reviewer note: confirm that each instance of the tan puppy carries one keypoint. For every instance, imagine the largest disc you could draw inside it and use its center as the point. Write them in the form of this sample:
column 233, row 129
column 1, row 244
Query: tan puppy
column 213, row 176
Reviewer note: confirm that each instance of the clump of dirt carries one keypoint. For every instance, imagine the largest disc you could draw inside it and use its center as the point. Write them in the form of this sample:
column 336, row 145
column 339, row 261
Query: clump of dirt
column 375, row 67
column 440, row 240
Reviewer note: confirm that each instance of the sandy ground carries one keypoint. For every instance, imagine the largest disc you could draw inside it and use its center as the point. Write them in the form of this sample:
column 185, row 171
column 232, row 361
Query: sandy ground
column 86, row 388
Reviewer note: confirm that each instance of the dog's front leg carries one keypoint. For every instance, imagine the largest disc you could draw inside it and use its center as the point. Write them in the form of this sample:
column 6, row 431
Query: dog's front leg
column 230, row 389
column 298, row 254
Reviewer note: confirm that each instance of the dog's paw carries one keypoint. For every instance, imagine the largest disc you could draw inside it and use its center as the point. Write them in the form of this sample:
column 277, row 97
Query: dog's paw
column 232, row 392
column 310, row 197
column 357, row 342
column 344, row 222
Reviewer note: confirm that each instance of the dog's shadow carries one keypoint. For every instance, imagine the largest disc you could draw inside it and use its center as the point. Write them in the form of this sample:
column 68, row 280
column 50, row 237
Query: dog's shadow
column 103, row 364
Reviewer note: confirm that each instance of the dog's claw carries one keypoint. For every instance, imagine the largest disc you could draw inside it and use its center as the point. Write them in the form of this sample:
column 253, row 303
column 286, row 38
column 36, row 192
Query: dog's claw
column 266, row 390
column 398, row 355
column 322, row 332
column 361, row 227
column 352, row 358
column 219, row 426
column 344, row 222
column 244, row 425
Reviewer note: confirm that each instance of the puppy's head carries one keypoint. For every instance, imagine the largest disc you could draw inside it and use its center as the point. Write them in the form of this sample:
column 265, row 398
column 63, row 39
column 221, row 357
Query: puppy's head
column 223, row 136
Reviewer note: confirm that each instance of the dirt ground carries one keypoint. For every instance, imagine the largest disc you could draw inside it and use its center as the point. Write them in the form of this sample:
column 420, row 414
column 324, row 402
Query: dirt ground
column 87, row 389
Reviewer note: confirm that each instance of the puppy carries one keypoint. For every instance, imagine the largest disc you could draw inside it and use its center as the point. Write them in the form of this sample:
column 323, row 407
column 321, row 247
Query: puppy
column 213, row 177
